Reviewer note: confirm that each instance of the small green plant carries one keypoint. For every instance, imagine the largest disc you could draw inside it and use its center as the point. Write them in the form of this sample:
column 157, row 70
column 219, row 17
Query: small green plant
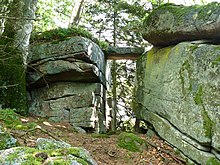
column 9, row 117
column 131, row 142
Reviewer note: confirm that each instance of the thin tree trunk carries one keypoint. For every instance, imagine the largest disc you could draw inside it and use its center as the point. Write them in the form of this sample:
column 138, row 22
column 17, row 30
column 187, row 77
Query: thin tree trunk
column 114, row 88
column 72, row 15
column 114, row 93
column 75, row 20
column 23, row 34
column 19, row 30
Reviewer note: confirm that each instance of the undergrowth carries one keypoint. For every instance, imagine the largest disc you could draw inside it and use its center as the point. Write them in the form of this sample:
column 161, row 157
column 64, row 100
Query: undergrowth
column 12, row 120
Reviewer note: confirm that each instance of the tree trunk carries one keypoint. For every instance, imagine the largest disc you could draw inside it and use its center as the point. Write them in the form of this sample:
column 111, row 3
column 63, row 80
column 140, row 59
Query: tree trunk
column 13, row 53
column 75, row 18
column 114, row 81
column 19, row 24
column 114, row 93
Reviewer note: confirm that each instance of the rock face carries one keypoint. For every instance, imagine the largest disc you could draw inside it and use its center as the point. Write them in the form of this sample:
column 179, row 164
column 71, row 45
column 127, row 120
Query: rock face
column 178, row 86
column 170, row 24
column 178, row 93
column 67, row 82
column 47, row 152
column 77, row 59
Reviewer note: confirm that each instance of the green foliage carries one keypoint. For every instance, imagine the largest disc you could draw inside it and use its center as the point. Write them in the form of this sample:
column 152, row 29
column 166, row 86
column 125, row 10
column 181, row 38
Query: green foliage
column 131, row 142
column 52, row 13
column 9, row 117
column 134, row 9
column 128, row 21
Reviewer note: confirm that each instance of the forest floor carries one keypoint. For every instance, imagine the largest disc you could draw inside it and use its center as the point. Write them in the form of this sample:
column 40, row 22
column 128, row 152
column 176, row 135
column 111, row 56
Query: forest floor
column 103, row 149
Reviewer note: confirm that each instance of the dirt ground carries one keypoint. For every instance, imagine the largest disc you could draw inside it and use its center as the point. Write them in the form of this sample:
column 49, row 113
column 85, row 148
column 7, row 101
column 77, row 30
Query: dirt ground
column 103, row 149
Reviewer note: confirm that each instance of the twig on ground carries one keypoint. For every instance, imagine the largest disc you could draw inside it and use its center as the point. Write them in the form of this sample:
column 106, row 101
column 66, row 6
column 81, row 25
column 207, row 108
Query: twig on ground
column 176, row 158
column 42, row 130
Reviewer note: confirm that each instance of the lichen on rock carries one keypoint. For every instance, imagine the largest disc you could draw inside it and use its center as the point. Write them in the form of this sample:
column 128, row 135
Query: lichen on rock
column 49, row 154
column 170, row 24
column 178, row 91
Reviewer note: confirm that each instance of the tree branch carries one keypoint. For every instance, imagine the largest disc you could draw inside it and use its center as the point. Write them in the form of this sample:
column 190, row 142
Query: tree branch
column 42, row 130
column 14, row 18
column 8, row 86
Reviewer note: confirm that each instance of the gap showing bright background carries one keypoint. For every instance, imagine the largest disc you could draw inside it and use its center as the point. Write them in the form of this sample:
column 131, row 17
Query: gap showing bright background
column 191, row 2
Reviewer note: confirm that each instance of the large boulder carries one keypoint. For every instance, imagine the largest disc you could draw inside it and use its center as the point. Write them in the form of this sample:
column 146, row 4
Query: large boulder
column 170, row 24
column 77, row 60
column 47, row 152
column 66, row 81
column 178, row 93
column 76, row 103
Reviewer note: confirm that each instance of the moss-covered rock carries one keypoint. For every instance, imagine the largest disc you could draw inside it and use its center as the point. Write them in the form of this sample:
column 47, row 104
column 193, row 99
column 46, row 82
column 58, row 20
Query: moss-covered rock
column 50, row 155
column 179, row 85
column 49, row 144
column 170, row 24
column 131, row 142
column 77, row 59
column 60, row 34
column 6, row 140
column 66, row 80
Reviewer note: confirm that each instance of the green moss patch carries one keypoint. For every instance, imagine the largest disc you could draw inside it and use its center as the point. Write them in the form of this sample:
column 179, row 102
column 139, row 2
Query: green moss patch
column 61, row 34
column 180, row 12
column 131, row 142
column 213, row 161
column 12, row 80
column 198, row 96
column 216, row 62
column 207, row 123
